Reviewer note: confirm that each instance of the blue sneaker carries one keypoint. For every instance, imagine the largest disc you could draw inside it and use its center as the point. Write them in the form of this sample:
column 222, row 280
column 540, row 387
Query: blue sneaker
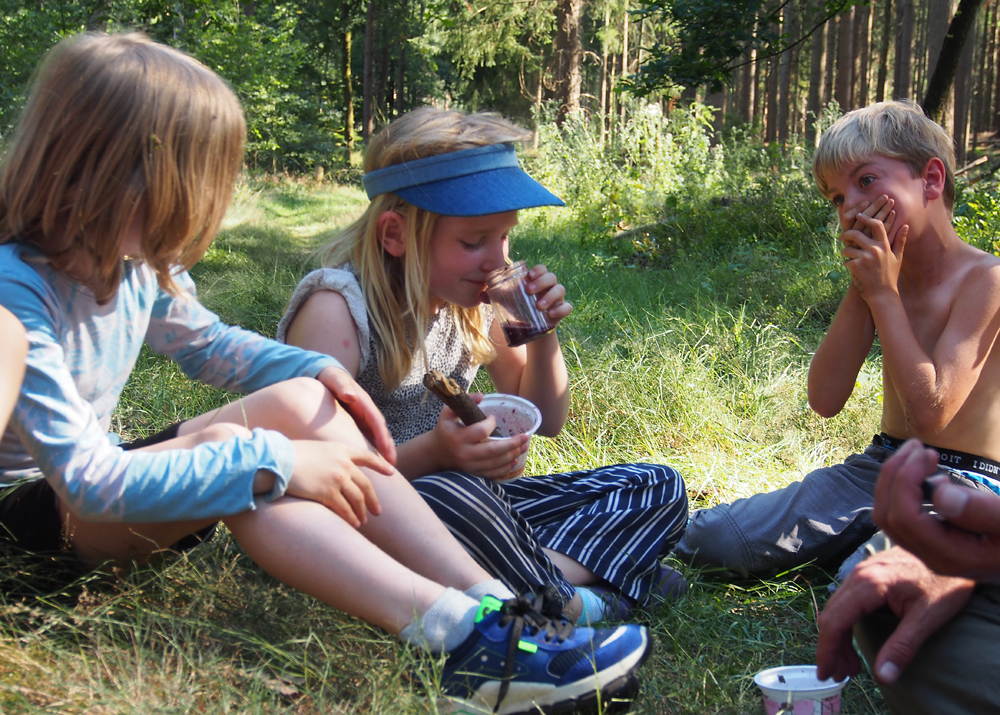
column 520, row 661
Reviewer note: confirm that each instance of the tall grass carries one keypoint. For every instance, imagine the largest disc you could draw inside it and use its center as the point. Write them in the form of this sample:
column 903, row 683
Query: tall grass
column 696, row 311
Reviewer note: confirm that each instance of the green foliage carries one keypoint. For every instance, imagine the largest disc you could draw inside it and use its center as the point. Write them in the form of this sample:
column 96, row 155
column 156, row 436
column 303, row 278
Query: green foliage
column 977, row 214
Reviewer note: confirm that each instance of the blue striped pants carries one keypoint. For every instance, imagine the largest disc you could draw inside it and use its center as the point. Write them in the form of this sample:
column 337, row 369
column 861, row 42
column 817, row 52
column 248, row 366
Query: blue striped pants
column 618, row 521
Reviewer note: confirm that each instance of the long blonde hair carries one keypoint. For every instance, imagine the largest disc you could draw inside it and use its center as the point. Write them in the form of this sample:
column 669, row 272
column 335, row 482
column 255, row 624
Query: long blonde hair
column 116, row 125
column 397, row 290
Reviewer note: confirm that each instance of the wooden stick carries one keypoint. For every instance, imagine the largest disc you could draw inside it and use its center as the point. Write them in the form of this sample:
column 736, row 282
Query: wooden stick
column 452, row 394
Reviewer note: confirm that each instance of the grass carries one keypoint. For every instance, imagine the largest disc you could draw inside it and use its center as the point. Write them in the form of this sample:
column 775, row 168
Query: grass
column 691, row 362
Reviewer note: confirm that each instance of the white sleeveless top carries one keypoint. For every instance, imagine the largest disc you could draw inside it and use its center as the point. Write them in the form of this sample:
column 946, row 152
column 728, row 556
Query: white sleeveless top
column 409, row 410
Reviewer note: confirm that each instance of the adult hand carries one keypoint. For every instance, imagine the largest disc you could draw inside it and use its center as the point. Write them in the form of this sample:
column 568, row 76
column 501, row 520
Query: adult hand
column 360, row 406
column 874, row 262
column 329, row 473
column 921, row 599
column 551, row 293
column 469, row 449
column 966, row 543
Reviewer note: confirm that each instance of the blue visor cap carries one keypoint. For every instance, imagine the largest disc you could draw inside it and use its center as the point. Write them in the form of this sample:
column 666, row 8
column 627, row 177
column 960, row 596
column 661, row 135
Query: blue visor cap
column 472, row 182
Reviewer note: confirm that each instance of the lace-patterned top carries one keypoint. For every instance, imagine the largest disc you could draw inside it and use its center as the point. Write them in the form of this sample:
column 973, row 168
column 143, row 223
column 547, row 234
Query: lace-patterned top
column 409, row 410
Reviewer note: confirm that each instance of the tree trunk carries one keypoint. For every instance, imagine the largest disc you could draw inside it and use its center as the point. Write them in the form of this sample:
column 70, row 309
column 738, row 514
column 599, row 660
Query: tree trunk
column 747, row 85
column 817, row 75
column 951, row 52
column 832, row 36
column 771, row 92
column 345, row 73
column 568, row 52
column 883, row 52
column 902, row 72
column 963, row 100
column 368, row 80
column 624, row 67
column 785, row 75
column 845, row 60
column 604, row 78
column 862, row 48
column 943, row 10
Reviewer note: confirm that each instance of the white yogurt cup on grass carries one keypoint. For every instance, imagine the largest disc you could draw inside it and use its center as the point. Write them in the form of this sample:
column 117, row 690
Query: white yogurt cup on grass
column 795, row 690
column 514, row 415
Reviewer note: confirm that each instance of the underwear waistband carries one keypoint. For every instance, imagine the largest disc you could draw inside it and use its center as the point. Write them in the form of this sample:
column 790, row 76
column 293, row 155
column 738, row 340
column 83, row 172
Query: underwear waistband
column 951, row 458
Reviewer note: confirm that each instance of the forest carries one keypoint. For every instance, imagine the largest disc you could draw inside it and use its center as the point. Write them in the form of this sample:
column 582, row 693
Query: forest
column 317, row 77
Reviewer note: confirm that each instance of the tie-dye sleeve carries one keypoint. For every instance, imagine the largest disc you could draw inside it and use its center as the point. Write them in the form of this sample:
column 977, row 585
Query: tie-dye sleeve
column 58, row 432
column 223, row 355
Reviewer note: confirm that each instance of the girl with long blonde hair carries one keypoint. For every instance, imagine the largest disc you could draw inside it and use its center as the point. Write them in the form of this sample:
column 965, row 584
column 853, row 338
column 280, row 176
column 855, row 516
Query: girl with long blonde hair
column 403, row 292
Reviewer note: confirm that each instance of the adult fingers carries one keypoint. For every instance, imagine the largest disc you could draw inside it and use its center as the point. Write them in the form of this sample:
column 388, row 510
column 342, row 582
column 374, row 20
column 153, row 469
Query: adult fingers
column 912, row 463
column 967, row 508
column 835, row 656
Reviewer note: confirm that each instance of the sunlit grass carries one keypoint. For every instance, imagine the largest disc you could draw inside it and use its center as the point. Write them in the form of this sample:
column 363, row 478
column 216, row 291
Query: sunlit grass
column 667, row 365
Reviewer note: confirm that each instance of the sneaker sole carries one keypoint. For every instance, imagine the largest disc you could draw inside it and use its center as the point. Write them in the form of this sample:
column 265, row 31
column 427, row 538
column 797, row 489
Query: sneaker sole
column 535, row 699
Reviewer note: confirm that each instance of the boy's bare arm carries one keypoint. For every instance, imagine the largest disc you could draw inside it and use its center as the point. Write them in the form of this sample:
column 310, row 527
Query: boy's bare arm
column 932, row 382
column 838, row 360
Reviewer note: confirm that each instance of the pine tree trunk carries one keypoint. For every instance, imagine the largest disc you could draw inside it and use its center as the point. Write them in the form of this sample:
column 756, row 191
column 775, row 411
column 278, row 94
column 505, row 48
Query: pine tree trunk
column 951, row 53
column 902, row 72
column 943, row 10
column 604, row 78
column 817, row 75
column 568, row 52
column 845, row 60
column 368, row 91
column 748, row 84
column 624, row 65
column 863, row 50
column 883, row 52
column 345, row 71
column 784, row 84
column 963, row 100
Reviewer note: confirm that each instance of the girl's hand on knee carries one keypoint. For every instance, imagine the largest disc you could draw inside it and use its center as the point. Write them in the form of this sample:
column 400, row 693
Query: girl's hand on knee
column 360, row 406
column 551, row 293
column 329, row 473
column 469, row 449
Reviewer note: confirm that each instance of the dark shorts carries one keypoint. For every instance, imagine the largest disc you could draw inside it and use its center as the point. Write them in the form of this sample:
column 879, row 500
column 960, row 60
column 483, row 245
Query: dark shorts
column 29, row 511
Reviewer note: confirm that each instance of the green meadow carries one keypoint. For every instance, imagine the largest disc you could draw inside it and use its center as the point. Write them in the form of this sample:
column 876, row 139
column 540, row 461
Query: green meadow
column 702, row 273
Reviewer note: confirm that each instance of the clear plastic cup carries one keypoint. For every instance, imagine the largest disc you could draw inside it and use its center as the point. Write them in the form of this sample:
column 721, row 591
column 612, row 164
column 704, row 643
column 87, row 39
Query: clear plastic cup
column 517, row 311
column 795, row 690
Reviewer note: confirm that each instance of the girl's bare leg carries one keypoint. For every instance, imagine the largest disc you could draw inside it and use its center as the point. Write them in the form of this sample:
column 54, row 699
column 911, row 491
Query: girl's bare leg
column 308, row 547
column 407, row 530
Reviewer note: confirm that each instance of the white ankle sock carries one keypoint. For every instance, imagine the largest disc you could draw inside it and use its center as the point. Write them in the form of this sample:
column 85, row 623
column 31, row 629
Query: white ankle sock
column 595, row 608
column 495, row 588
column 445, row 625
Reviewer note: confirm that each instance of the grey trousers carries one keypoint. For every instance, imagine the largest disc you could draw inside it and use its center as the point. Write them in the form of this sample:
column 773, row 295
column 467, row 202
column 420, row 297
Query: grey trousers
column 825, row 517
column 954, row 671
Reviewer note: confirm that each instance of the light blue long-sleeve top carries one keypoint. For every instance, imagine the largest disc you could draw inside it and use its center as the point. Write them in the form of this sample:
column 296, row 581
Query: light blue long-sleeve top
column 80, row 356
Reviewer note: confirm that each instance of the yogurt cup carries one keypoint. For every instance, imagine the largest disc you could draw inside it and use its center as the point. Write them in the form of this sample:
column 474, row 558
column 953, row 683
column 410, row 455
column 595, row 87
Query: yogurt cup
column 514, row 415
column 795, row 690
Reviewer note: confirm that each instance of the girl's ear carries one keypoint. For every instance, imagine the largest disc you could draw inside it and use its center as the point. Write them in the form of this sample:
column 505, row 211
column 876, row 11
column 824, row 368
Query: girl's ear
column 934, row 177
column 392, row 233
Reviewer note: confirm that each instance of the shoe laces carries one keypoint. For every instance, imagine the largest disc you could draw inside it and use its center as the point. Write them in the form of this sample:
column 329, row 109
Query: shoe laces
column 537, row 614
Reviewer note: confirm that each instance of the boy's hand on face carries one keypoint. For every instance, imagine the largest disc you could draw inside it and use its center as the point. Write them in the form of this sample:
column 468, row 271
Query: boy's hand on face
column 873, row 261
column 880, row 209
column 469, row 449
column 551, row 293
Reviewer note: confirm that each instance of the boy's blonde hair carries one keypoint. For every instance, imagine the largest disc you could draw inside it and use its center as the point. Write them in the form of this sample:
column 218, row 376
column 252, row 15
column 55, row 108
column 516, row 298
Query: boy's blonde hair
column 118, row 126
column 397, row 290
column 898, row 130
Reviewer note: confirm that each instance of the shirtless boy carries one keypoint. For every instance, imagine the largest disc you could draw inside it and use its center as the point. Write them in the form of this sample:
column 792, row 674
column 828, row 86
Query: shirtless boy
column 932, row 299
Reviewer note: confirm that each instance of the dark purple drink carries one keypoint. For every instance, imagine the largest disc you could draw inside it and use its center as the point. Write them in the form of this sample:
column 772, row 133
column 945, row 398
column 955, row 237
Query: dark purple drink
column 521, row 333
